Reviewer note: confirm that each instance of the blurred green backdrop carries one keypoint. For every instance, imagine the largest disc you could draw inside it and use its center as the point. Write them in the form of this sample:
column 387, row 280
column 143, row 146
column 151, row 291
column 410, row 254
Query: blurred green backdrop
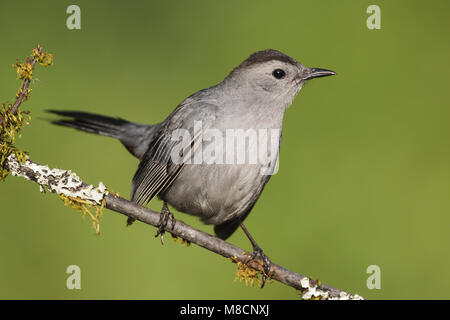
column 365, row 160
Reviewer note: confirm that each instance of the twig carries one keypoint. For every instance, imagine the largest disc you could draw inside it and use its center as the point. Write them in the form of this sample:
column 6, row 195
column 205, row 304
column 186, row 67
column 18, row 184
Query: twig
column 23, row 92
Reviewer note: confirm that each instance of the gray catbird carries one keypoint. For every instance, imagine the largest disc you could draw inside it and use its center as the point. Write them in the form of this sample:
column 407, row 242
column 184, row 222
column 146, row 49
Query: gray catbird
column 253, row 96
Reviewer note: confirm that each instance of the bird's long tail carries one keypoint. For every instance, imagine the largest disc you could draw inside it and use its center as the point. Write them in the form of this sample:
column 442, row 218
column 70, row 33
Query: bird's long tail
column 135, row 137
column 90, row 122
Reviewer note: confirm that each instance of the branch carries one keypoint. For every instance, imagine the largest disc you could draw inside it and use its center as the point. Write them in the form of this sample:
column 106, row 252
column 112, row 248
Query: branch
column 23, row 92
column 68, row 184
column 25, row 71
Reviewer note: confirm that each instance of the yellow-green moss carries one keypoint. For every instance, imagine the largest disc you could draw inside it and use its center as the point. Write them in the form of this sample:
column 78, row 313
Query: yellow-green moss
column 85, row 208
column 11, row 124
column 247, row 274
column 10, row 129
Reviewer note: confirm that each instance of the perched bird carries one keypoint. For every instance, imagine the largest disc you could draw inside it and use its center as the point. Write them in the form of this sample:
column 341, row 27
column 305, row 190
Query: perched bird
column 254, row 96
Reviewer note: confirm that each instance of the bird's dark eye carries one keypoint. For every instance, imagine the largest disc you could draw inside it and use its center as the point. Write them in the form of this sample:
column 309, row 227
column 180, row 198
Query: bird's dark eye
column 278, row 73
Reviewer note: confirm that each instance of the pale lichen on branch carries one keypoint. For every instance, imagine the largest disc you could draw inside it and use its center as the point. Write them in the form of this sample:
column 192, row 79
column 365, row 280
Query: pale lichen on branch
column 71, row 189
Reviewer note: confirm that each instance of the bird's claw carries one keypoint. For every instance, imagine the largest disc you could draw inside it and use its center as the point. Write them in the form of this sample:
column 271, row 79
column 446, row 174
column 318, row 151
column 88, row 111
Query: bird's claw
column 164, row 218
column 259, row 256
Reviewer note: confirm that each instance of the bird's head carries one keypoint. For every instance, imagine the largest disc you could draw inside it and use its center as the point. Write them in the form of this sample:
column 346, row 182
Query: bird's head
column 273, row 76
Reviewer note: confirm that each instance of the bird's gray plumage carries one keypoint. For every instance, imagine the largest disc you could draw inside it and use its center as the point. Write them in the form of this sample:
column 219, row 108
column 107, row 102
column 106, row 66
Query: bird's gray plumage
column 249, row 98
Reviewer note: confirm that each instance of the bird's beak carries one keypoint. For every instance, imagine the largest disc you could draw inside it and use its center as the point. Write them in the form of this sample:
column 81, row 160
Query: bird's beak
column 317, row 73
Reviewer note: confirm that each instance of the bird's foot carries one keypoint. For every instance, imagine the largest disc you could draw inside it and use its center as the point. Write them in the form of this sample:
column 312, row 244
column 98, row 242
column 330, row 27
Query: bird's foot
column 260, row 257
column 164, row 218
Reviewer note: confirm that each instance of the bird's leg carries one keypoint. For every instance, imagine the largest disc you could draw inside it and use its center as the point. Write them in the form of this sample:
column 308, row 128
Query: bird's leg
column 258, row 254
column 164, row 218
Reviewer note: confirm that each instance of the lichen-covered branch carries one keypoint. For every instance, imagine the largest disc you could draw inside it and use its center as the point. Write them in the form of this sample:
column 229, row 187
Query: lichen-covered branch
column 67, row 183
column 62, row 182
column 11, row 119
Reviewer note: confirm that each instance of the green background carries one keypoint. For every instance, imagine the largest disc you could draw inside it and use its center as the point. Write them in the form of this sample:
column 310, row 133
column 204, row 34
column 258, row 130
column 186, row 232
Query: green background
column 364, row 166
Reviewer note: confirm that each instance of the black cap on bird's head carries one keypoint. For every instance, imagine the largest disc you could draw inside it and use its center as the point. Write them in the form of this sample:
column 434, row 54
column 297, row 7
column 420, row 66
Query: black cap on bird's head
column 273, row 55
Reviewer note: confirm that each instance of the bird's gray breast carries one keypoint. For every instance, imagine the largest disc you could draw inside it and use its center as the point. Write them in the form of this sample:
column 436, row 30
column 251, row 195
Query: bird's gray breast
column 227, row 188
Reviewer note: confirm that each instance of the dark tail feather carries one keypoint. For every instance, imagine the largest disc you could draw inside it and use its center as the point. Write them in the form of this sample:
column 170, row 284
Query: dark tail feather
column 130, row 221
column 226, row 229
column 89, row 122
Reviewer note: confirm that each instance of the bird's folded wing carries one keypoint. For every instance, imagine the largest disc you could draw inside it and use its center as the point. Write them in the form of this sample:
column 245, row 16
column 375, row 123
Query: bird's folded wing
column 157, row 170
